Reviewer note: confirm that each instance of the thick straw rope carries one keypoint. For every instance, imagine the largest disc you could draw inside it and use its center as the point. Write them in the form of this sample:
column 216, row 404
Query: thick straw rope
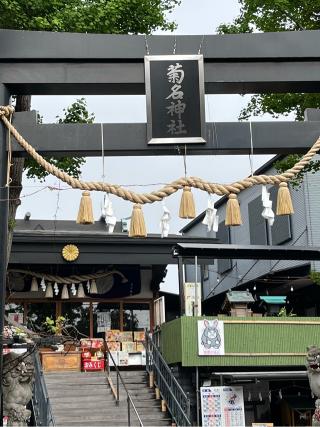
column 70, row 279
column 167, row 190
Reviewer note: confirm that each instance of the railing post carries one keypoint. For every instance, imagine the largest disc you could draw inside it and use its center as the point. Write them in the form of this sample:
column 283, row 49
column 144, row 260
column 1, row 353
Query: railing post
column 118, row 392
column 128, row 401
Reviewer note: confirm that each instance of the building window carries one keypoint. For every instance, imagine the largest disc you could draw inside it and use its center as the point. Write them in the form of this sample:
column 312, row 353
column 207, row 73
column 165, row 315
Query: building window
column 105, row 316
column 223, row 236
column 77, row 315
column 205, row 272
column 136, row 317
column 257, row 224
column 281, row 231
column 37, row 314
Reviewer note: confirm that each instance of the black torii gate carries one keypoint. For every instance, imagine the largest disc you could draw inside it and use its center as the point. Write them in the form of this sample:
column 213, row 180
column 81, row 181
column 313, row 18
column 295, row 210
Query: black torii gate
column 40, row 63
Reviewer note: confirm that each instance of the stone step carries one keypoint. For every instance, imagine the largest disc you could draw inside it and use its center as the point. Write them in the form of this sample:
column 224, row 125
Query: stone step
column 129, row 382
column 80, row 393
column 85, row 399
column 106, row 397
column 89, row 417
column 67, row 386
column 136, row 390
column 104, row 410
column 77, row 381
column 115, row 423
column 69, row 375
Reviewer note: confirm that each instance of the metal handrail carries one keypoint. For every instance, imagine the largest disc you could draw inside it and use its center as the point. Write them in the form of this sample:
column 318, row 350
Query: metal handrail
column 176, row 399
column 117, row 394
column 40, row 399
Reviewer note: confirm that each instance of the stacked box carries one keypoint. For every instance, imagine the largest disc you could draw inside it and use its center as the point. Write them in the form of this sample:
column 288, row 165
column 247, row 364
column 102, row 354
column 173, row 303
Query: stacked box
column 113, row 335
column 114, row 346
column 140, row 346
column 129, row 346
column 115, row 357
column 139, row 335
column 125, row 336
column 123, row 358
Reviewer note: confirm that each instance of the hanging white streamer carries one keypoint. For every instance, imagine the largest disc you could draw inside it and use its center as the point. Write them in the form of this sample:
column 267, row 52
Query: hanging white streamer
column 164, row 222
column 110, row 219
column 88, row 285
column 211, row 220
column 43, row 284
column 73, row 289
column 267, row 212
column 56, row 288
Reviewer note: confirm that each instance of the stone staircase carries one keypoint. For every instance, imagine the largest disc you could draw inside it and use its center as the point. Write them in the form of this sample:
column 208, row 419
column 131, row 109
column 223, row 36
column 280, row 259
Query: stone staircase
column 86, row 399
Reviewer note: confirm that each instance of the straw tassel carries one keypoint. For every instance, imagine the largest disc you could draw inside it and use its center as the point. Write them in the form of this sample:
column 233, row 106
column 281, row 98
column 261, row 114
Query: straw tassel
column 187, row 206
column 85, row 214
column 284, row 202
column 137, row 224
column 233, row 214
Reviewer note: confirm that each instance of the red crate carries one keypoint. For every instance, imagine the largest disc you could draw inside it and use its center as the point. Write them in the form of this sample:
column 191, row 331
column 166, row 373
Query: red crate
column 93, row 365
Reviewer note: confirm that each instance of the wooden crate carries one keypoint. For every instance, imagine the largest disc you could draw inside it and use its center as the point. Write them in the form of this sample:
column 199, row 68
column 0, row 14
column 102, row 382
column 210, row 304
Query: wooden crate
column 54, row 361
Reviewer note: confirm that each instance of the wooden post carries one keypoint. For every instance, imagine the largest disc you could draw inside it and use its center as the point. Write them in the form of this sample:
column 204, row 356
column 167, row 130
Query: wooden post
column 91, row 320
column 151, row 379
column 157, row 393
column 121, row 316
column 181, row 285
column 163, row 406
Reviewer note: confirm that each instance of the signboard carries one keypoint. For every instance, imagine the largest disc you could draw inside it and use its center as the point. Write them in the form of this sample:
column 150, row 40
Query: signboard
column 103, row 321
column 92, row 365
column 159, row 312
column 210, row 337
column 191, row 308
column 16, row 317
column 222, row 406
column 175, row 99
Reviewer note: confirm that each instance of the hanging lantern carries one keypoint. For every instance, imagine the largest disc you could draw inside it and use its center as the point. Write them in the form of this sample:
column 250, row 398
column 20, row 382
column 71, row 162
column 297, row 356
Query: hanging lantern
column 49, row 291
column 81, row 293
column 93, row 287
column 65, row 292
column 34, row 285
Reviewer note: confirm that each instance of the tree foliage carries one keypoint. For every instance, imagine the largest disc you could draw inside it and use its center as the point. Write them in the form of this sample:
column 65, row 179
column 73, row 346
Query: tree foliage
column 90, row 16
column 75, row 113
column 278, row 15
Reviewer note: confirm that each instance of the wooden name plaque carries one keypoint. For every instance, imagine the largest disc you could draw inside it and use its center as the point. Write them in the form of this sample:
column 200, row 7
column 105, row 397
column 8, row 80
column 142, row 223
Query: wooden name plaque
column 54, row 361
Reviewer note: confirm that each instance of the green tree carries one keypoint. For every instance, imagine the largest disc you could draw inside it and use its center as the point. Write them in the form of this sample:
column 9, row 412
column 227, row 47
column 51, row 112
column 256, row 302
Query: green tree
column 278, row 15
column 83, row 16
column 75, row 113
